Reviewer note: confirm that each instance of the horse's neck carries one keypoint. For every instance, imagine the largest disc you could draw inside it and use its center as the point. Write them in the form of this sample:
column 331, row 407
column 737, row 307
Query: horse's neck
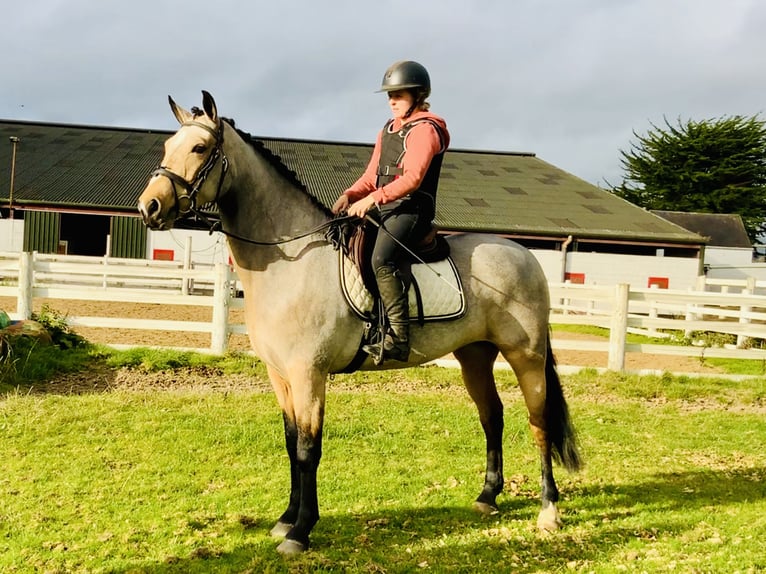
column 261, row 204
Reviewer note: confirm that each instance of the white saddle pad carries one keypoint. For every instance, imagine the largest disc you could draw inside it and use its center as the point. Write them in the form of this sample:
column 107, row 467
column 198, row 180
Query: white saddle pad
column 442, row 294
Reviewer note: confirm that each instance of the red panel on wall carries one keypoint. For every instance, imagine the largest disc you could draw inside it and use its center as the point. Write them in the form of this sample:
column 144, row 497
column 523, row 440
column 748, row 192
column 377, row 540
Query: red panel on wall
column 575, row 278
column 162, row 255
column 659, row 282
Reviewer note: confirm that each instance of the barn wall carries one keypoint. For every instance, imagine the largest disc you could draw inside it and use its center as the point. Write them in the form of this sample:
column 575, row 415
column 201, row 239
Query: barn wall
column 733, row 263
column 728, row 256
column 551, row 262
column 636, row 270
column 11, row 235
column 128, row 237
column 41, row 231
column 206, row 248
column 610, row 269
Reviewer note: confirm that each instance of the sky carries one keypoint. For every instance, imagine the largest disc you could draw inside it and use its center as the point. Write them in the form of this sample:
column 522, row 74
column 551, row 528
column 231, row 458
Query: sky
column 572, row 81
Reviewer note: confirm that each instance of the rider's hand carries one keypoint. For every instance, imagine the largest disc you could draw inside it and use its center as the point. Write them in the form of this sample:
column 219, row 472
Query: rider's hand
column 341, row 204
column 361, row 207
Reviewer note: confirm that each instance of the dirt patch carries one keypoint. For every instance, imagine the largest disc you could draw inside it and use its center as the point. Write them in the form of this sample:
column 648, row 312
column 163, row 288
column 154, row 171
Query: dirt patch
column 633, row 361
column 101, row 378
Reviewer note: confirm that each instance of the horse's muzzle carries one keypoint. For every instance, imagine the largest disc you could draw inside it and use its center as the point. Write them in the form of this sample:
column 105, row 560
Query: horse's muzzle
column 151, row 212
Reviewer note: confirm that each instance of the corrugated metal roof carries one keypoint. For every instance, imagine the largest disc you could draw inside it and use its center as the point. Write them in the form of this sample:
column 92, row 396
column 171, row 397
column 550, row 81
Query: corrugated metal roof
column 70, row 166
column 77, row 166
column 722, row 229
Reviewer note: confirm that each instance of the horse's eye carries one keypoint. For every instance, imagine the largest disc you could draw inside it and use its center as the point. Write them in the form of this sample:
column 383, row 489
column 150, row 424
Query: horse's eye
column 199, row 148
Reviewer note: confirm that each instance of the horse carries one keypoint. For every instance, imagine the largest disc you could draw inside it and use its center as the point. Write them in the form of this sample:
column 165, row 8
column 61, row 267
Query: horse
column 300, row 326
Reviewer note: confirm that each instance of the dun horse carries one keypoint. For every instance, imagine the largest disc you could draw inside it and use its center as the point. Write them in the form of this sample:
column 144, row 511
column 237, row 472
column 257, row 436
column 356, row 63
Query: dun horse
column 300, row 325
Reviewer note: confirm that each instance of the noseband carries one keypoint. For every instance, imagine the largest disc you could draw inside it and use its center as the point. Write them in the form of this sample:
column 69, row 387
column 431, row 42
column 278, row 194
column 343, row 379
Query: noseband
column 186, row 200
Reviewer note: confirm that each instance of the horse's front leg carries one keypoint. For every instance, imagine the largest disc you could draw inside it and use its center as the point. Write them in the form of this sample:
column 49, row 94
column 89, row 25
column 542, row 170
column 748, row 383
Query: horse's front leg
column 302, row 400
column 290, row 515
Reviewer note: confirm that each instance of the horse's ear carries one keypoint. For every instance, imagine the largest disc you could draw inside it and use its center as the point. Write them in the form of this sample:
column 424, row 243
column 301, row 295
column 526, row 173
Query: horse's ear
column 181, row 114
column 208, row 104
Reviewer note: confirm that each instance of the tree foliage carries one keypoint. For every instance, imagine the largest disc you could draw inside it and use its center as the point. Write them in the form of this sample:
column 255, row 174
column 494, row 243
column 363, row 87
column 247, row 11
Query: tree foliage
column 710, row 166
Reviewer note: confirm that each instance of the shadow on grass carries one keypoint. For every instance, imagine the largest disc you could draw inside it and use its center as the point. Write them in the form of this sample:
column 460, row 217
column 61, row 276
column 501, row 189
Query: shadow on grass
column 677, row 490
column 601, row 521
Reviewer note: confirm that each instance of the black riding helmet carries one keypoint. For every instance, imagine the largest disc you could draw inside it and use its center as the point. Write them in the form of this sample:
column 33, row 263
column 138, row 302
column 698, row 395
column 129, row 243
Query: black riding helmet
column 411, row 76
column 406, row 74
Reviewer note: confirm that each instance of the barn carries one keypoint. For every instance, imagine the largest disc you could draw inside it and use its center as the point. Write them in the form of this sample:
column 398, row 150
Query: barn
column 73, row 189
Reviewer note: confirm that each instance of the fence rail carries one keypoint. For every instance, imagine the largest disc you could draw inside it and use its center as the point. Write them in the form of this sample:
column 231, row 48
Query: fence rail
column 621, row 309
column 123, row 281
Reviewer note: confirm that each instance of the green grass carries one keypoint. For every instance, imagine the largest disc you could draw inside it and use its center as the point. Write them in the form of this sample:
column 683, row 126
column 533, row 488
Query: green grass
column 163, row 359
column 29, row 361
column 191, row 480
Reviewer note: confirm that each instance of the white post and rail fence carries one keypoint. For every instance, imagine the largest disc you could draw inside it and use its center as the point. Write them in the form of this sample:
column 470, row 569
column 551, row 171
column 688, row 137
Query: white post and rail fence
column 732, row 309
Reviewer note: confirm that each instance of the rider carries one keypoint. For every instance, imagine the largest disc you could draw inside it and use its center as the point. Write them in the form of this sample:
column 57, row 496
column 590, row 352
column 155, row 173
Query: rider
column 400, row 182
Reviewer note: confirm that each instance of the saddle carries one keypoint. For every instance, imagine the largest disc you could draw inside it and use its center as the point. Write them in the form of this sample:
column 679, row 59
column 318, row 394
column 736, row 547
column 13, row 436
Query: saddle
column 435, row 289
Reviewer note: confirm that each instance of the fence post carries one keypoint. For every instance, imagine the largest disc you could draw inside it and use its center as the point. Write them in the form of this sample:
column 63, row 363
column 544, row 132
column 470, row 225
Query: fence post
column 744, row 310
column 220, row 329
column 26, row 281
column 618, row 328
column 186, row 284
column 653, row 311
column 565, row 303
column 701, row 285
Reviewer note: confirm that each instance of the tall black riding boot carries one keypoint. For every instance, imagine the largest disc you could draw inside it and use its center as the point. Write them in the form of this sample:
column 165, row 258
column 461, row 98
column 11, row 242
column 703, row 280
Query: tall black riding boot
column 396, row 343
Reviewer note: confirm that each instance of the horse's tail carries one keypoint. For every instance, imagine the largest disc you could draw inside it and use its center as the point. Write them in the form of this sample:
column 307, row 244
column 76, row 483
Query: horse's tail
column 560, row 430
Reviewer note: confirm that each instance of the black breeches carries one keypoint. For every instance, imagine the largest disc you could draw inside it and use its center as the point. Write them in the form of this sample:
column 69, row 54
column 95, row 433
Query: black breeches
column 395, row 224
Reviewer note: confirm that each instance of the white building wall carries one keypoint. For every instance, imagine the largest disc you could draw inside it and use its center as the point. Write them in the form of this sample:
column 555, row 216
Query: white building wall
column 11, row 235
column 728, row 256
column 611, row 269
column 552, row 264
column 636, row 270
column 206, row 248
column 734, row 263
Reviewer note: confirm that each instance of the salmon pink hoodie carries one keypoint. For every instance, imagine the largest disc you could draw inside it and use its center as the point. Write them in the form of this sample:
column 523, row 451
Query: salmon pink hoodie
column 423, row 143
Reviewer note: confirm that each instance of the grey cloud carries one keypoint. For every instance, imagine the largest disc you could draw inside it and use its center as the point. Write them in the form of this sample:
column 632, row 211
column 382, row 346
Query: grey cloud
column 566, row 80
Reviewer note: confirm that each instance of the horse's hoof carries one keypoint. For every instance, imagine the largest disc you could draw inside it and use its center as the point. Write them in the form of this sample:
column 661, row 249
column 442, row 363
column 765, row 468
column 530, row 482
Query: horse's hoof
column 291, row 547
column 281, row 529
column 549, row 520
column 485, row 509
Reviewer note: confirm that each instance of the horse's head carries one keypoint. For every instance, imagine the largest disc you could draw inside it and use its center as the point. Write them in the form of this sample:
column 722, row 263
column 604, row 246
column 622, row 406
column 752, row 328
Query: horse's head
column 181, row 184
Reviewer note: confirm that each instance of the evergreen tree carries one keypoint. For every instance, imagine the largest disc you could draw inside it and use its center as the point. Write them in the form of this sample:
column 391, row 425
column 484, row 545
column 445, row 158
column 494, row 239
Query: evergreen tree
column 710, row 166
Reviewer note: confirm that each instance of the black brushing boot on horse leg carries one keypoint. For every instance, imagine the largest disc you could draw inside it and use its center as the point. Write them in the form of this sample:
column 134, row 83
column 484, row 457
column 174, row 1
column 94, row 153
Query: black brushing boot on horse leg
column 396, row 341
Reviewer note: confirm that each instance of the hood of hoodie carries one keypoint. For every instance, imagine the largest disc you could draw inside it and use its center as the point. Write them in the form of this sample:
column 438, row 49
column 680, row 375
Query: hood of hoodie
column 438, row 120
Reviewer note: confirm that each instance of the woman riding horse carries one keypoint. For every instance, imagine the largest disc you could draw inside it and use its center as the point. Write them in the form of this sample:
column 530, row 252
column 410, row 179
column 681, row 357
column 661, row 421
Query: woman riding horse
column 400, row 183
column 303, row 333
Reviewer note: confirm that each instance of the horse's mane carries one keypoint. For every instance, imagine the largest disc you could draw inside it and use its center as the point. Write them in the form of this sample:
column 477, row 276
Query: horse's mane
column 276, row 161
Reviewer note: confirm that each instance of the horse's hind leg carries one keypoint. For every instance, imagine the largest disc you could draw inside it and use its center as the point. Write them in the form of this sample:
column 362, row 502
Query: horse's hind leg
column 476, row 363
column 531, row 374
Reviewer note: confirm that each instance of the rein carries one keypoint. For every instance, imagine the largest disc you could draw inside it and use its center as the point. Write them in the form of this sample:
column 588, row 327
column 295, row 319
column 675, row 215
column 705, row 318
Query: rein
column 216, row 226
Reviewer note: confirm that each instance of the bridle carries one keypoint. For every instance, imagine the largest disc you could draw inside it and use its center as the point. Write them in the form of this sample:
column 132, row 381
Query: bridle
column 191, row 188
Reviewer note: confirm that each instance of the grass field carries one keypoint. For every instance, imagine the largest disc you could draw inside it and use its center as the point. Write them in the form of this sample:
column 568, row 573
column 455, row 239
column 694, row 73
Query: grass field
column 191, row 479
